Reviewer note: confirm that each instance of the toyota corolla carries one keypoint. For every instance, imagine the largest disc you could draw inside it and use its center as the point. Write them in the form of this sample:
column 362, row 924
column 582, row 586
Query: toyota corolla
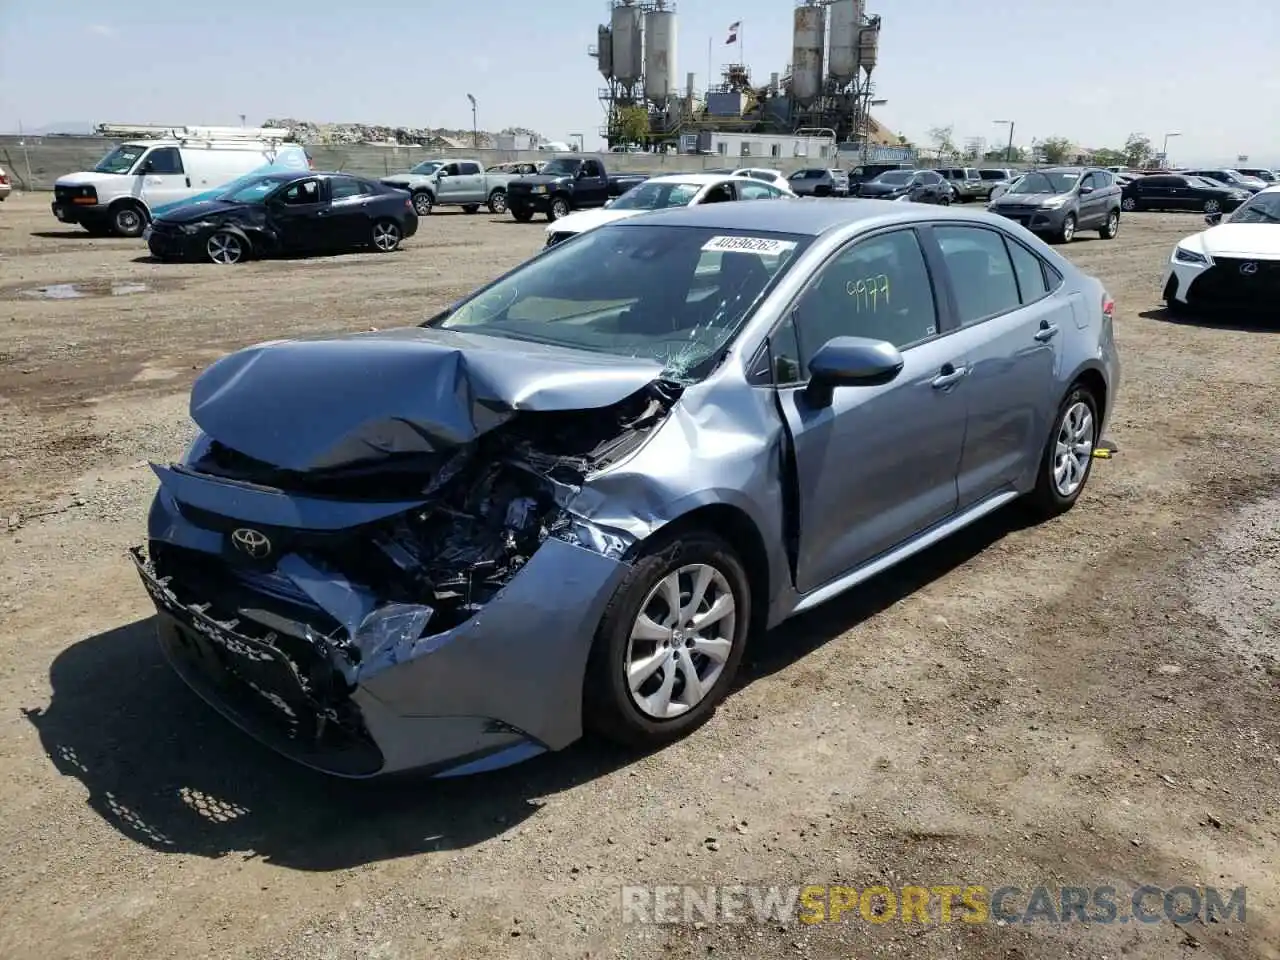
column 571, row 499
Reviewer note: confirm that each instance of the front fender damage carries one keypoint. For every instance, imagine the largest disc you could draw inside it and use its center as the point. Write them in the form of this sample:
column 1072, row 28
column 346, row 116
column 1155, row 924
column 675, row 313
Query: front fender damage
column 352, row 592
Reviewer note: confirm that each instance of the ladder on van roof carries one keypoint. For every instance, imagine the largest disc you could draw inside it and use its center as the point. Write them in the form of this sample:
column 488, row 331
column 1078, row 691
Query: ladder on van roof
column 191, row 133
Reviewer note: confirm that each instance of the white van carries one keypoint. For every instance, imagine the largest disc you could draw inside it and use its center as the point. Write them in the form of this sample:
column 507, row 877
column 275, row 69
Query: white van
column 138, row 179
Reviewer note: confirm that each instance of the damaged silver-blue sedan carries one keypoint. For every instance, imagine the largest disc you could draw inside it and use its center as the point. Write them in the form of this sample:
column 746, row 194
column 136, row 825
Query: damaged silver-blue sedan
column 569, row 500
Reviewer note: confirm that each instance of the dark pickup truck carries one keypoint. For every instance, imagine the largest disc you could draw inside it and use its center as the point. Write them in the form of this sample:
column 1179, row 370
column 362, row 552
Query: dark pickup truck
column 567, row 184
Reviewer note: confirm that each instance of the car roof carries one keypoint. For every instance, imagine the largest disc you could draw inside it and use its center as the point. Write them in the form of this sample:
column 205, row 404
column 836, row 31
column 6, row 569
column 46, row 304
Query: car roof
column 801, row 216
column 698, row 178
column 1275, row 189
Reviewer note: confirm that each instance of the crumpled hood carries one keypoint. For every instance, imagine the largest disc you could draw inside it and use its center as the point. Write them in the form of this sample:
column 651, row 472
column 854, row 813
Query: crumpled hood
column 318, row 403
column 1261, row 240
column 197, row 210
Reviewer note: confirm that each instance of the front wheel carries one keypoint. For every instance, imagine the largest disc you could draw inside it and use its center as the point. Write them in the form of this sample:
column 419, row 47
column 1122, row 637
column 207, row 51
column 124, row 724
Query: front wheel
column 523, row 214
column 669, row 643
column 422, row 203
column 386, row 236
column 945, row 201
column 128, row 220
column 498, row 202
column 1067, row 232
column 225, row 248
column 559, row 209
column 1068, row 457
column 1111, row 228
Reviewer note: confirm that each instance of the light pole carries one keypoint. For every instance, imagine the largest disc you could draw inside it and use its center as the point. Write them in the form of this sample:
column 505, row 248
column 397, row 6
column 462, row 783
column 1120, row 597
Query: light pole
column 475, row 131
column 865, row 133
column 1008, row 152
column 1164, row 151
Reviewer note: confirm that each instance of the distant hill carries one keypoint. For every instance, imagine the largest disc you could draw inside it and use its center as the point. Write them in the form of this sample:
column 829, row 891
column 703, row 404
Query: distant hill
column 79, row 128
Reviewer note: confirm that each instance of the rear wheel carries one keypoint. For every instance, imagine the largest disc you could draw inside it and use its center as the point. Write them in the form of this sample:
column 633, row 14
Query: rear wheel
column 1129, row 204
column 1109, row 229
column 669, row 643
column 523, row 214
column 386, row 236
column 1068, row 456
column 498, row 202
column 1212, row 206
column 559, row 209
column 422, row 203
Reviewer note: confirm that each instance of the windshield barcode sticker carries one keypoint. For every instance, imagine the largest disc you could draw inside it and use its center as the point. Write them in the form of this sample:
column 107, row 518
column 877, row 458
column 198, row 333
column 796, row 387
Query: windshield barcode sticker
column 765, row 245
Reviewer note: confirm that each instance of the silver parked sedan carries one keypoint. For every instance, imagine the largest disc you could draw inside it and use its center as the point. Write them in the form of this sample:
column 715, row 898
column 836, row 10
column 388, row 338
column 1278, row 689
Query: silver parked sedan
column 573, row 497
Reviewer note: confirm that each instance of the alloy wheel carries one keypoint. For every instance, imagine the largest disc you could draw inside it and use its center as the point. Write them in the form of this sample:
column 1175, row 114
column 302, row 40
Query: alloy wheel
column 1068, row 228
column 1073, row 449
column 559, row 209
column 680, row 641
column 224, row 248
column 1212, row 206
column 1130, row 204
column 386, row 236
column 422, row 204
column 128, row 221
column 498, row 203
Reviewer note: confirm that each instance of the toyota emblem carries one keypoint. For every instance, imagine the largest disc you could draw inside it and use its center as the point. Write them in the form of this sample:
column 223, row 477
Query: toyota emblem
column 1248, row 269
column 252, row 543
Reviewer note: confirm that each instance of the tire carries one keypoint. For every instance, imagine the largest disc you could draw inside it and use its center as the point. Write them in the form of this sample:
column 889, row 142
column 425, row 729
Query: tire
column 470, row 207
column 559, row 209
column 226, row 248
column 945, row 201
column 610, row 708
column 386, row 235
column 128, row 220
column 498, row 202
column 1129, row 204
column 1212, row 206
column 1049, row 498
column 1067, row 232
column 523, row 214
column 422, row 203
column 1110, row 229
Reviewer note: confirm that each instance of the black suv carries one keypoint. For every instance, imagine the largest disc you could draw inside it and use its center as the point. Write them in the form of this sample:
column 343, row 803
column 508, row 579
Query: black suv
column 1058, row 201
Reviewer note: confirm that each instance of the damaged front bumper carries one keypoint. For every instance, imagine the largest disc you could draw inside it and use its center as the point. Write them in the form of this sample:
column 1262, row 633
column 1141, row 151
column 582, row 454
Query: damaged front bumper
column 333, row 676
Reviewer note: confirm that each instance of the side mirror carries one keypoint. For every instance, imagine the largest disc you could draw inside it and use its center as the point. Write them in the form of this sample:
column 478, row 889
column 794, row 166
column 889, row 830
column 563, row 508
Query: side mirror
column 608, row 203
column 1085, row 191
column 851, row 362
column 1213, row 219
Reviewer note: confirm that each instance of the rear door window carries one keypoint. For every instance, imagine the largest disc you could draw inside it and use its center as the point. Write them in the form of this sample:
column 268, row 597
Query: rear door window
column 467, row 168
column 982, row 275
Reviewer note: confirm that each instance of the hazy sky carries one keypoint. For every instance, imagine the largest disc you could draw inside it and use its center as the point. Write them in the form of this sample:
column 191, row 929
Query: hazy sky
column 1091, row 70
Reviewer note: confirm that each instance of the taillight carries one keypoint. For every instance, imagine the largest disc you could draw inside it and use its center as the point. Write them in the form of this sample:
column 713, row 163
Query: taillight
column 1108, row 307
column 4, row 177
column 408, row 204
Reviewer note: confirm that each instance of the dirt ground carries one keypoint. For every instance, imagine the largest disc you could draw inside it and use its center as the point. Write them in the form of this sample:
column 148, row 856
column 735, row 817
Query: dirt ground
column 1094, row 701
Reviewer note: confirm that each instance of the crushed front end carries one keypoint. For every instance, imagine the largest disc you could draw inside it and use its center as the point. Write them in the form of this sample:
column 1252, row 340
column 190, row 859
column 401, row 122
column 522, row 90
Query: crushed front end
column 427, row 610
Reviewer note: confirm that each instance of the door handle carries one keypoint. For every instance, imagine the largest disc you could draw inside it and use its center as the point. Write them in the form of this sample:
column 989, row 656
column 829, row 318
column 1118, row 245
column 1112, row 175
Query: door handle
column 948, row 375
column 1047, row 331
column 188, row 181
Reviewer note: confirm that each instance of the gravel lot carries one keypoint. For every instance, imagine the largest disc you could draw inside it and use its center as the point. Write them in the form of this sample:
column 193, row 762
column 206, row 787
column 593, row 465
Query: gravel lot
column 1095, row 701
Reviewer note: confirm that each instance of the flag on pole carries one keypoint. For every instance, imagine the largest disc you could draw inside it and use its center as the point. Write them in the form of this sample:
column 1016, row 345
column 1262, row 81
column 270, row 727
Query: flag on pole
column 733, row 32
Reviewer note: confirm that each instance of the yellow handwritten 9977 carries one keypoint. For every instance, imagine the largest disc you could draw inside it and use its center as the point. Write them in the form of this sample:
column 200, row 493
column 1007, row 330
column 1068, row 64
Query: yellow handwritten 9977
column 869, row 293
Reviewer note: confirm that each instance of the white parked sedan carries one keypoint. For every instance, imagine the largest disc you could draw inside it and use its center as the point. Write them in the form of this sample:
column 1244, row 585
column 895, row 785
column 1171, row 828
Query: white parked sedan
column 661, row 193
column 764, row 175
column 1233, row 264
column 5, row 187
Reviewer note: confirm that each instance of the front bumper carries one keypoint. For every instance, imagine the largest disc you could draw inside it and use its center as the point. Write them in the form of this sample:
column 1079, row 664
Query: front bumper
column 77, row 213
column 1235, row 284
column 537, row 202
column 1035, row 219
column 500, row 687
column 171, row 243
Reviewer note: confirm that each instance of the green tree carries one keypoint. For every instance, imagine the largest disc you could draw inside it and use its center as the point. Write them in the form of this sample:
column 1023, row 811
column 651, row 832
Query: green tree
column 630, row 124
column 1137, row 151
column 1055, row 149
column 1106, row 157
column 943, row 140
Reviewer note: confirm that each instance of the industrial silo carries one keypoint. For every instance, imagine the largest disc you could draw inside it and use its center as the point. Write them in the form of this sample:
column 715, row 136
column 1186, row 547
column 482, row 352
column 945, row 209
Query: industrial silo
column 846, row 22
column 868, row 47
column 810, row 38
column 604, row 51
column 660, row 55
column 628, row 39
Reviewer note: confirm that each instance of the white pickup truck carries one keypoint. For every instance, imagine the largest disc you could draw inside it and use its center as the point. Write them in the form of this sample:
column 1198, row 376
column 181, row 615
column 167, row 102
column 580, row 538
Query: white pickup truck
column 458, row 183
